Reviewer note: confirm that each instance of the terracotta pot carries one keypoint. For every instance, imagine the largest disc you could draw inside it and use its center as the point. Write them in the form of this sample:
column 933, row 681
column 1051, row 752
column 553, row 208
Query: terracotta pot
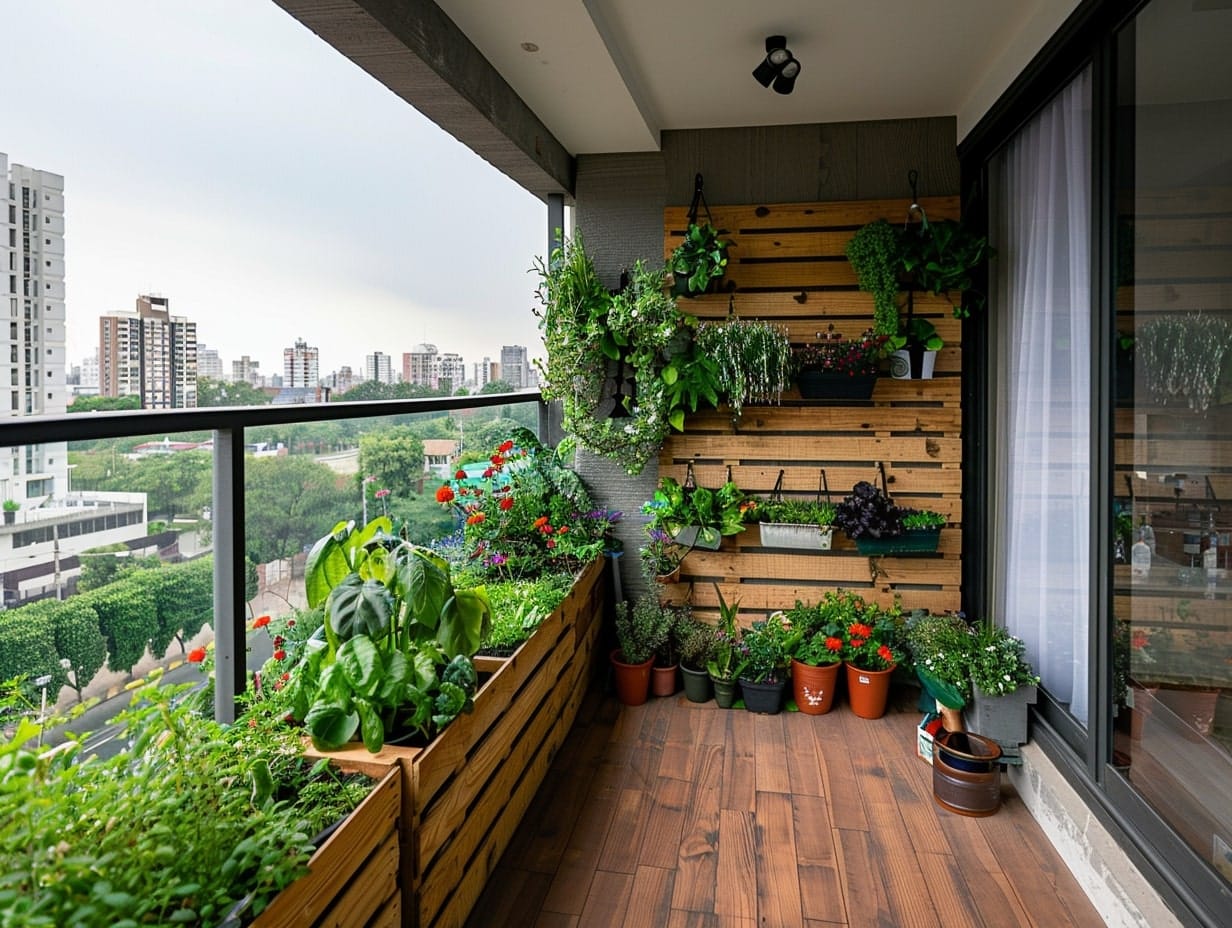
column 671, row 577
column 813, row 687
column 868, row 691
column 632, row 680
column 697, row 687
column 663, row 680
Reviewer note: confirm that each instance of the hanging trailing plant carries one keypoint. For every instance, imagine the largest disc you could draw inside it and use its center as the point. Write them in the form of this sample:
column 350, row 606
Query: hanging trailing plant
column 754, row 360
column 874, row 255
column 588, row 332
column 1184, row 355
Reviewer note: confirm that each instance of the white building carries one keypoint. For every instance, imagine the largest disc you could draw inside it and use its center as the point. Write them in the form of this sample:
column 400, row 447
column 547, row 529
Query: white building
column 452, row 368
column 301, row 366
column 248, row 371
column 32, row 362
column 515, row 369
column 379, row 367
column 209, row 363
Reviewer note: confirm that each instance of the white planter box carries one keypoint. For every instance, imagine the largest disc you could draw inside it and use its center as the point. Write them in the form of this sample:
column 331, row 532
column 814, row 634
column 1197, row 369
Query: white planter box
column 791, row 535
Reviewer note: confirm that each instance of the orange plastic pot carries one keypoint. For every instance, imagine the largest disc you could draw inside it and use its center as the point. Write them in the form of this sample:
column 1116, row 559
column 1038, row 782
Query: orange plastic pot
column 813, row 687
column 632, row 680
column 868, row 691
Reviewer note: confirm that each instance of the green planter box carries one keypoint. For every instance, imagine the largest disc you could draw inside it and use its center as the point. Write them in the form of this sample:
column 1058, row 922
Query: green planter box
column 914, row 541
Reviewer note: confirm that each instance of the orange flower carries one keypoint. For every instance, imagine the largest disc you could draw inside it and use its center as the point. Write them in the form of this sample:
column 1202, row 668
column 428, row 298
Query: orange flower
column 858, row 642
column 444, row 495
column 506, row 503
column 541, row 522
column 858, row 630
column 196, row 655
column 834, row 644
column 563, row 529
column 261, row 621
column 475, row 518
column 885, row 654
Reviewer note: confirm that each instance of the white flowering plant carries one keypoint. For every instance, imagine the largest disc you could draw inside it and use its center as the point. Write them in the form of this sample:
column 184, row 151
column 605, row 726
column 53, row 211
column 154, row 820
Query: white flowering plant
column 999, row 662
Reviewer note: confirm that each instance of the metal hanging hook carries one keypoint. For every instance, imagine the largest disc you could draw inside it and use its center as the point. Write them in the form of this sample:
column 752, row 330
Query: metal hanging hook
column 915, row 209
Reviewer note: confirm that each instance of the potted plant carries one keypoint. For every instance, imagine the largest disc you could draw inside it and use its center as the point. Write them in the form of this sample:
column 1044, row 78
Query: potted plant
column 697, row 516
column 726, row 661
column 939, row 257
column 10, row 511
column 394, row 654
column 913, row 350
column 608, row 355
column 699, row 260
column 766, row 652
column 640, row 632
column 940, row 648
column 875, row 257
column 1187, row 355
column 870, row 654
column 661, row 556
column 753, row 359
column 816, row 653
column 694, row 642
column 837, row 368
column 1004, row 684
column 805, row 524
column 667, row 652
column 878, row 525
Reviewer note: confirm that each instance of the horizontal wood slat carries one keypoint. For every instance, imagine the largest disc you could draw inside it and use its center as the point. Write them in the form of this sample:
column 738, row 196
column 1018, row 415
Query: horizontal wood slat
column 793, row 256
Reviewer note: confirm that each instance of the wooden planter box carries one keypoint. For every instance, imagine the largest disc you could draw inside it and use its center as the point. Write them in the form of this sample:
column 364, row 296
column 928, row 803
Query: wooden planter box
column 464, row 794
column 353, row 879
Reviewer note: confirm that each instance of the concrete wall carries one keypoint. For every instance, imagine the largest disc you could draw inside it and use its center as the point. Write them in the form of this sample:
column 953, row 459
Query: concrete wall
column 619, row 210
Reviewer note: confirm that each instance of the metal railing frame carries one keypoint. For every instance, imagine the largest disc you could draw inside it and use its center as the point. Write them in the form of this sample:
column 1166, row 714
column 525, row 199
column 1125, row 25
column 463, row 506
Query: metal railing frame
column 228, row 426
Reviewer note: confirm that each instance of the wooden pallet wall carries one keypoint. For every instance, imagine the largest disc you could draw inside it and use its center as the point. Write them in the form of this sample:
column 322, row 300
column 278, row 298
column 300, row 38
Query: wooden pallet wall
column 788, row 266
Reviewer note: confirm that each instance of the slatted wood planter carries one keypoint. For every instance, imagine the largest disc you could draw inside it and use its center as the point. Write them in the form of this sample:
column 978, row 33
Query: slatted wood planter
column 788, row 267
column 465, row 793
column 353, row 879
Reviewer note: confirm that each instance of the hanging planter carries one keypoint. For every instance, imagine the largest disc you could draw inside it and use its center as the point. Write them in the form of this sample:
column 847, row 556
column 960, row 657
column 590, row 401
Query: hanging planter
column 908, row 365
column 798, row 524
column 911, row 541
column 791, row 535
column 824, row 385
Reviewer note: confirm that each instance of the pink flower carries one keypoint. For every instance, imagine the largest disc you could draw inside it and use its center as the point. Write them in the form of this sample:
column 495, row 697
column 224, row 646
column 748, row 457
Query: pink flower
column 381, row 494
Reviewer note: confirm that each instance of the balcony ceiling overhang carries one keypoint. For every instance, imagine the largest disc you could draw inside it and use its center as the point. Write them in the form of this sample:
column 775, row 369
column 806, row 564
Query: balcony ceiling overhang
column 530, row 85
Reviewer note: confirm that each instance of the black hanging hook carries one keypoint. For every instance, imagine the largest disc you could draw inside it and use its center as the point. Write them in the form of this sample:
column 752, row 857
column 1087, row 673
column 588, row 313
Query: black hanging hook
column 913, row 177
column 699, row 201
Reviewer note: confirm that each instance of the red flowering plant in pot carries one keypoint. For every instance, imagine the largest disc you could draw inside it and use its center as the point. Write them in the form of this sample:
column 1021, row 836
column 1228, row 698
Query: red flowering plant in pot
column 871, row 652
column 525, row 511
column 837, row 367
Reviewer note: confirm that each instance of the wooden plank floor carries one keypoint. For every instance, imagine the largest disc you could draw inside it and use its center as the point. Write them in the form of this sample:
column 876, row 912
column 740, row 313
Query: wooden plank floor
column 686, row 816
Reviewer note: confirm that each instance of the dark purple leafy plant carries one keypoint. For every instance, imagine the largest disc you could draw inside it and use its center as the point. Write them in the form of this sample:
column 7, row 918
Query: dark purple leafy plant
column 869, row 513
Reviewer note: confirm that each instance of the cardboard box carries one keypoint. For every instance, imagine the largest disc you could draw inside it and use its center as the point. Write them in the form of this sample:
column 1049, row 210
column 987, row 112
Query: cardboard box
column 925, row 733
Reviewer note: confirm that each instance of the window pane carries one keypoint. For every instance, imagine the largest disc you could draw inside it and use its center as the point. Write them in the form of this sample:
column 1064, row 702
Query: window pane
column 1173, row 460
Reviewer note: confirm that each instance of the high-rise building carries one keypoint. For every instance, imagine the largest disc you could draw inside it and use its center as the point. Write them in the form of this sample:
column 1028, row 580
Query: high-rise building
column 452, row 368
column 89, row 370
column 379, row 367
column 514, row 365
column 248, row 371
column 149, row 353
column 421, row 365
column 340, row 380
column 32, row 343
column 482, row 373
column 209, row 363
column 301, row 366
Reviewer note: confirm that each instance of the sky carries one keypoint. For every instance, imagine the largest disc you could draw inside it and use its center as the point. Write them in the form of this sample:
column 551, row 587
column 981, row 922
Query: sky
column 220, row 154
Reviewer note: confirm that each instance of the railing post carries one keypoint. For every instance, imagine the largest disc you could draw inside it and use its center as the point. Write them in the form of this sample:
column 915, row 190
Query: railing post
column 230, row 672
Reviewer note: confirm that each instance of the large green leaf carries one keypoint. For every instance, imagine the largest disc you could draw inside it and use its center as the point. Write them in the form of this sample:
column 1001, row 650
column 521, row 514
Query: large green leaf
column 423, row 583
column 464, row 621
column 359, row 607
column 372, row 729
column 327, row 564
column 331, row 725
column 361, row 661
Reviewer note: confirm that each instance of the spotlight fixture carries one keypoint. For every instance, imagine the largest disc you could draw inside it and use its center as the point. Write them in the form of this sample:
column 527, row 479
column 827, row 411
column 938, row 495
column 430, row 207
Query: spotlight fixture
column 779, row 67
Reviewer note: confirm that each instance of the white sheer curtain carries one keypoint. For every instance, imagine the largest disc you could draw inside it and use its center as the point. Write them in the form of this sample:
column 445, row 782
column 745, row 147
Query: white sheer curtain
column 1042, row 417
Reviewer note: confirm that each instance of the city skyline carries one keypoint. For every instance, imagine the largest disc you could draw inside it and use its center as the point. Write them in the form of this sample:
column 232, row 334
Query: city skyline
column 266, row 185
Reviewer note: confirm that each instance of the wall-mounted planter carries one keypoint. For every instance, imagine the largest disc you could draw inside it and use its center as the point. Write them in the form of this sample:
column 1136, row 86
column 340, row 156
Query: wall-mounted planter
column 824, row 385
column 794, row 535
column 900, row 365
column 466, row 792
column 1001, row 718
column 913, row 541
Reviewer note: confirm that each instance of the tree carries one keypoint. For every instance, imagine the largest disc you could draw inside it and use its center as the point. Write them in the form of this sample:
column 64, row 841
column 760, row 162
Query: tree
column 104, row 403
column 127, row 619
column 497, row 386
column 77, row 637
column 423, row 519
column 229, row 393
column 290, row 502
column 180, row 482
column 28, row 647
column 395, row 457
column 368, row 390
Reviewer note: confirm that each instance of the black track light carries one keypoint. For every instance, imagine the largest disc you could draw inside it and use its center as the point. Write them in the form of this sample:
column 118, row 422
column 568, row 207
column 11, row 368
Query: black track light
column 779, row 67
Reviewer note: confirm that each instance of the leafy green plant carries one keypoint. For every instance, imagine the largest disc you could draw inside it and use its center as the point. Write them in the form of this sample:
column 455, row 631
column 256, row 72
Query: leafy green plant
column 11, row 505
column 766, row 650
column 396, row 644
column 694, row 639
column 692, row 378
column 753, row 357
column 915, row 330
column 642, row 630
column 714, row 513
column 796, row 512
column 519, row 606
column 874, row 255
column 726, row 658
column 917, row 519
column 940, row 257
column 177, row 828
column 700, row 258
column 940, row 646
column 28, row 649
column 822, row 647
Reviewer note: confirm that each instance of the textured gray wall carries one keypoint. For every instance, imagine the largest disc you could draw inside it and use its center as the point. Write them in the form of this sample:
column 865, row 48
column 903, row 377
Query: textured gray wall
column 619, row 209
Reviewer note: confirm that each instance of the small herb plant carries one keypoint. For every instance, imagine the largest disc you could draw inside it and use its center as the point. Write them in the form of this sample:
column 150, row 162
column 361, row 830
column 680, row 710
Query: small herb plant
column 796, row 512
column 694, row 639
column 922, row 519
column 765, row 650
column 642, row 630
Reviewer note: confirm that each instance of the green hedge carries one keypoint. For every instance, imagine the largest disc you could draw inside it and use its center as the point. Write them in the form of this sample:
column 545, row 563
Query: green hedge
column 74, row 626
column 128, row 619
column 28, row 647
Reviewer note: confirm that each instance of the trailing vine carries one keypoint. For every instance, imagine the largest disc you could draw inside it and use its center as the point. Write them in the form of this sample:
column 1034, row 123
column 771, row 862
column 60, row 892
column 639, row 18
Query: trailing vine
column 874, row 255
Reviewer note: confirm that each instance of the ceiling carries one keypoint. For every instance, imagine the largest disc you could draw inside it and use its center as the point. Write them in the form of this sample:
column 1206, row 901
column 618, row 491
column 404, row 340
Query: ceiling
column 609, row 75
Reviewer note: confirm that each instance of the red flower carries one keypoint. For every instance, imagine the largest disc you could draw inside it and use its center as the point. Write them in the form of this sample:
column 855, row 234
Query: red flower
column 541, row 522
column 279, row 641
column 834, row 644
column 497, row 460
column 261, row 621
column 286, row 676
column 488, row 473
column 1139, row 640
column 858, row 630
column 563, row 529
column 857, row 642
column 475, row 518
column 505, row 447
column 381, row 494
column 196, row 655
column 885, row 654
column 290, row 623
column 444, row 495
column 280, row 655
column 551, row 543
column 506, row 503
column 460, row 475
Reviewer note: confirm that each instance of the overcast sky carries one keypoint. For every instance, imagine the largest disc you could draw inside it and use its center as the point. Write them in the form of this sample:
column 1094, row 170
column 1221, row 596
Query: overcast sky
column 220, row 154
